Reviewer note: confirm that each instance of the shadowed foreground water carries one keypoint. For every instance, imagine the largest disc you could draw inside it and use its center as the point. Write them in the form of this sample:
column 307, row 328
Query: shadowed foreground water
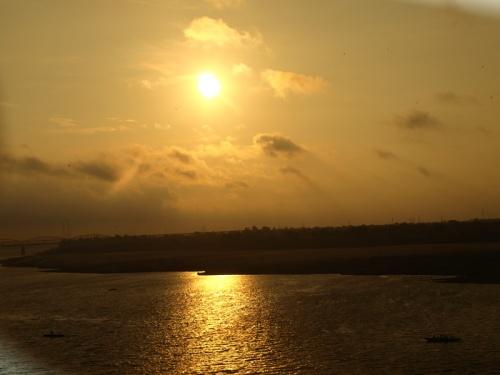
column 175, row 323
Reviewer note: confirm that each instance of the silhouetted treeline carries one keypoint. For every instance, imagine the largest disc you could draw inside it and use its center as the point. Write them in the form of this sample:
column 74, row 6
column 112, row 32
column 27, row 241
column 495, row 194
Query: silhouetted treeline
column 299, row 238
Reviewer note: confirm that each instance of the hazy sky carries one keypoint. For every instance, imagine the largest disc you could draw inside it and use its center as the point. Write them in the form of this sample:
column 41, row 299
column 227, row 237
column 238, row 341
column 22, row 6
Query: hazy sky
column 330, row 112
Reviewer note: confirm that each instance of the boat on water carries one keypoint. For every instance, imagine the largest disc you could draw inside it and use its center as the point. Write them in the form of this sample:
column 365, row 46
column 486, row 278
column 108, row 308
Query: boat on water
column 442, row 339
column 53, row 335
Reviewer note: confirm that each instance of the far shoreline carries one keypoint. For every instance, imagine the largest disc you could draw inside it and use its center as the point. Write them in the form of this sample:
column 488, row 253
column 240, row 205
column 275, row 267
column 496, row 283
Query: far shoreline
column 453, row 263
column 467, row 251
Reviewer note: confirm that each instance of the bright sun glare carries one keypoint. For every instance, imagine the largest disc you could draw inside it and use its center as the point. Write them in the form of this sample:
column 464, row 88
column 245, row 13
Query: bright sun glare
column 208, row 85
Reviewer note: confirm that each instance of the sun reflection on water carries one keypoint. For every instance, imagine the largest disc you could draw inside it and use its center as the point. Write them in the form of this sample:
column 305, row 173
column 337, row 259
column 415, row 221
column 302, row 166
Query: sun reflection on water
column 219, row 283
column 216, row 323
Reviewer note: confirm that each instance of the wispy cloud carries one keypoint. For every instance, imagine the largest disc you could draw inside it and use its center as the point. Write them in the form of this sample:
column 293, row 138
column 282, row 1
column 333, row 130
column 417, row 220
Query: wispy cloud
column 417, row 120
column 98, row 169
column 31, row 165
column 424, row 171
column 241, row 69
column 174, row 164
column 384, row 154
column 216, row 32
column 65, row 125
column 187, row 173
column 277, row 145
column 297, row 173
column 64, row 122
column 91, row 130
column 220, row 4
column 485, row 7
column 450, row 97
column 181, row 156
column 284, row 83
column 390, row 156
column 234, row 185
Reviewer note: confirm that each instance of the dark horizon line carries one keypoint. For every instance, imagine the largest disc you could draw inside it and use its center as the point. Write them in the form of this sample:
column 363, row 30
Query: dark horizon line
column 55, row 239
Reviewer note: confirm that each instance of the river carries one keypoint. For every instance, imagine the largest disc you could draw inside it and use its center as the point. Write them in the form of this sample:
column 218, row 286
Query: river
column 181, row 323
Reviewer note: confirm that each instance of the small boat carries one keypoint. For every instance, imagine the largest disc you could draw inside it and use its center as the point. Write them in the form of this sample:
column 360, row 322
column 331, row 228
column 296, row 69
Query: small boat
column 53, row 335
column 443, row 339
column 201, row 273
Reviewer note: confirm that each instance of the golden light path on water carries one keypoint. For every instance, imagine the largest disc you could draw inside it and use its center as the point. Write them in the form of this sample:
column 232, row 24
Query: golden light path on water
column 218, row 312
column 232, row 328
column 182, row 323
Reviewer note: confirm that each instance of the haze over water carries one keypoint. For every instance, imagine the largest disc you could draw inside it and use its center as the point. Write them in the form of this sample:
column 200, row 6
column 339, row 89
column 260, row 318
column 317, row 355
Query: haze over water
column 181, row 323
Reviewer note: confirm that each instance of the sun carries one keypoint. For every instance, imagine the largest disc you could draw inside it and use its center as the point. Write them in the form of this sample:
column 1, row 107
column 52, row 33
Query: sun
column 208, row 85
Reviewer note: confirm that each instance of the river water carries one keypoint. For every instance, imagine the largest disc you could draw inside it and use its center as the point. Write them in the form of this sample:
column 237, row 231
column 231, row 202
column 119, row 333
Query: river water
column 181, row 323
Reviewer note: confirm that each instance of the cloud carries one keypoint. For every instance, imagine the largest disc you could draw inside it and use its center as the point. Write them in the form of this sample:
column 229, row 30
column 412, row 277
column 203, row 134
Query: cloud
column 449, row 97
column 387, row 155
column 236, row 185
column 220, row 4
column 181, row 156
column 275, row 145
column 64, row 122
column 98, row 169
column 484, row 7
column 175, row 165
column 241, row 69
column 298, row 174
column 147, row 84
column 216, row 32
column 158, row 126
column 31, row 165
column 111, row 124
column 408, row 164
column 66, row 125
column 91, row 130
column 424, row 171
column 284, row 83
column 418, row 120
column 295, row 172
column 189, row 174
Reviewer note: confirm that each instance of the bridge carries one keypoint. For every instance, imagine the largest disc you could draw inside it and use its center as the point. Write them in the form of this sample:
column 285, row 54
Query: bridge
column 34, row 241
column 44, row 240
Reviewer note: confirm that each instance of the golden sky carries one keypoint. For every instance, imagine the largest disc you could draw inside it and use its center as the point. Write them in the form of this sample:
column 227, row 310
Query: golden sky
column 325, row 113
